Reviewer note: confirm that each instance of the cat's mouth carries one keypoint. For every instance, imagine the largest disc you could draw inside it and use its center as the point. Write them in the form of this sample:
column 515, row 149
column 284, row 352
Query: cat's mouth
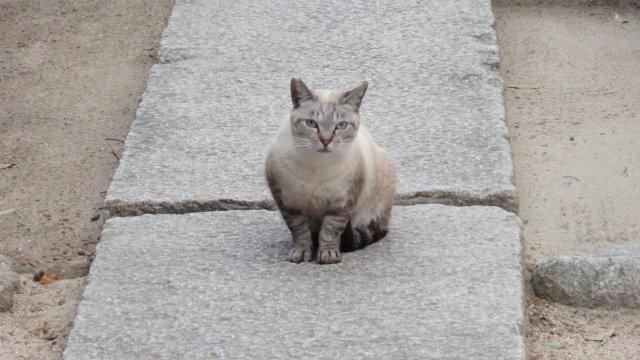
column 325, row 150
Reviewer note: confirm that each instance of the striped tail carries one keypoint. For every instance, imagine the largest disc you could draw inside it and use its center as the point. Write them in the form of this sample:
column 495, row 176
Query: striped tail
column 357, row 238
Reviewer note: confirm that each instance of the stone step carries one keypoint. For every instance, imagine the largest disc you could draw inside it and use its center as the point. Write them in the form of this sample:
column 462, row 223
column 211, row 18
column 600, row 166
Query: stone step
column 9, row 283
column 608, row 279
column 207, row 115
column 334, row 32
column 445, row 283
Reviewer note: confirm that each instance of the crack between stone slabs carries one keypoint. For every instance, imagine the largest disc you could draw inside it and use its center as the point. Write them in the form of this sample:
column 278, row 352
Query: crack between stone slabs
column 123, row 209
column 504, row 200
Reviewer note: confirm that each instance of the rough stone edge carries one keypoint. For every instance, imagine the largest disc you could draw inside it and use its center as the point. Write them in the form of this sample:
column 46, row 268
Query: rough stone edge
column 609, row 281
column 174, row 55
column 9, row 283
column 506, row 200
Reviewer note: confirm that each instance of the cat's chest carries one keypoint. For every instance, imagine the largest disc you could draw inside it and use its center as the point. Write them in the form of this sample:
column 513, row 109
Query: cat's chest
column 313, row 195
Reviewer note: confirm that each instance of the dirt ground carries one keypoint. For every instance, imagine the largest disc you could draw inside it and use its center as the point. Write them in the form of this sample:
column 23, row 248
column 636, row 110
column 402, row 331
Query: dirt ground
column 71, row 74
column 572, row 94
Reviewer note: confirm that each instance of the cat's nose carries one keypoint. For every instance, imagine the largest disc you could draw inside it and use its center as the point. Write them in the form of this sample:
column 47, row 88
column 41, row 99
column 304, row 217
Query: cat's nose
column 324, row 141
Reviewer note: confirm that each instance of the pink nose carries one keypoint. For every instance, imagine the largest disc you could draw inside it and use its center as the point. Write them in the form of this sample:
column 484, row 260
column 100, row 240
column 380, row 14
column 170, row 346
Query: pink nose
column 324, row 141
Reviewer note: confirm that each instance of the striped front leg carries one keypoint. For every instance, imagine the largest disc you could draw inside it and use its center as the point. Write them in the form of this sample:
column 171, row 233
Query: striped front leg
column 297, row 223
column 333, row 225
column 302, row 248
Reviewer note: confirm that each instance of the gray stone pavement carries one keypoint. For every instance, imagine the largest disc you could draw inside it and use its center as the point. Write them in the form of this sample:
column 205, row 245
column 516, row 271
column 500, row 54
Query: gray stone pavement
column 445, row 283
column 328, row 33
column 208, row 113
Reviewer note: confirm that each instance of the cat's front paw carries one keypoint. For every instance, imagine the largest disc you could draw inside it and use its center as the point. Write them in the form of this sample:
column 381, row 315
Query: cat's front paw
column 298, row 254
column 329, row 256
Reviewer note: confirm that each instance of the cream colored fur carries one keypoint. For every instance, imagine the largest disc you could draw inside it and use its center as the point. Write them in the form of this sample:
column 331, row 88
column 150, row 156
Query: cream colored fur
column 349, row 180
column 313, row 181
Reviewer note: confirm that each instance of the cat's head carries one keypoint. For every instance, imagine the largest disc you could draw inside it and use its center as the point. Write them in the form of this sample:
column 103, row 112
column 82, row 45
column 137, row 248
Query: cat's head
column 322, row 120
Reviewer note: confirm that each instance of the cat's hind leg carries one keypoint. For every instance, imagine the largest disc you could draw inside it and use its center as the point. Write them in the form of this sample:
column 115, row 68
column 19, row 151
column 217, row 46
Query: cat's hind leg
column 359, row 237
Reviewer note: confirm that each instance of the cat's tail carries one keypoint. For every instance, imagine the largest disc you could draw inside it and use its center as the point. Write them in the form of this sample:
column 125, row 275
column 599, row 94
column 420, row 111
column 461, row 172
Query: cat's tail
column 357, row 238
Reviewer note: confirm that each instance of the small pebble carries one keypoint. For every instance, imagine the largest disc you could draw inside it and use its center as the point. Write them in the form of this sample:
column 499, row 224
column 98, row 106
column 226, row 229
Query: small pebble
column 38, row 276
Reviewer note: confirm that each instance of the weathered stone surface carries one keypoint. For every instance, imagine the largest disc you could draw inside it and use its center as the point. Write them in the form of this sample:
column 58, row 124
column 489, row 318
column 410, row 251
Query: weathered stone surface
column 445, row 283
column 9, row 283
column 617, row 3
column 278, row 30
column 434, row 99
column 609, row 280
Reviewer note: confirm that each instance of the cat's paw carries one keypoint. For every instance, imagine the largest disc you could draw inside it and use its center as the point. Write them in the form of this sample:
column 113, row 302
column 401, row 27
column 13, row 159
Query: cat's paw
column 329, row 256
column 298, row 254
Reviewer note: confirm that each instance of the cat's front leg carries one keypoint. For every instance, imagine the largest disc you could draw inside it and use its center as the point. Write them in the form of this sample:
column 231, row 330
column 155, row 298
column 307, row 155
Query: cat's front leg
column 333, row 224
column 302, row 248
column 297, row 222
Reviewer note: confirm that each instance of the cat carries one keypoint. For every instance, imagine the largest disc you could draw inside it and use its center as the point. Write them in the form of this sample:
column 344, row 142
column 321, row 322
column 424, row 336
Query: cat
column 332, row 184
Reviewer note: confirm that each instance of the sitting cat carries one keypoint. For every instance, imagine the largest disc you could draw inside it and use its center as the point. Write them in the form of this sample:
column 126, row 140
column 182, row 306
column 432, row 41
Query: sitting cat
column 333, row 185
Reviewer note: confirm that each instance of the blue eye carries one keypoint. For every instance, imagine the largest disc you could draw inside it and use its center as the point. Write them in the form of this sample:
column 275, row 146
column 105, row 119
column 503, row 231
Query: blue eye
column 311, row 123
column 342, row 125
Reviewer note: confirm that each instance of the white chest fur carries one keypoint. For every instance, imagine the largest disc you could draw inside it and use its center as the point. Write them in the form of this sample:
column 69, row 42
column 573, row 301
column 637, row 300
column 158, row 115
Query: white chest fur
column 314, row 185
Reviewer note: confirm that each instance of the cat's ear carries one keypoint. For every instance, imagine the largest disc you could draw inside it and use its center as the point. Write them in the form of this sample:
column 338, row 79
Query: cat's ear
column 354, row 97
column 300, row 92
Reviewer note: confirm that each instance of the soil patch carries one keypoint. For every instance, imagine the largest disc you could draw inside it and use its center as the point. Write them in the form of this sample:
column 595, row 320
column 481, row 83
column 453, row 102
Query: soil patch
column 71, row 75
column 573, row 111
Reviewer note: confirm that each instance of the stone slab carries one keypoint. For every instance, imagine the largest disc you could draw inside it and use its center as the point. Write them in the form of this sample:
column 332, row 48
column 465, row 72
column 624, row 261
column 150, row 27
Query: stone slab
column 209, row 112
column 616, row 3
column 609, row 280
column 445, row 283
column 332, row 31
column 9, row 283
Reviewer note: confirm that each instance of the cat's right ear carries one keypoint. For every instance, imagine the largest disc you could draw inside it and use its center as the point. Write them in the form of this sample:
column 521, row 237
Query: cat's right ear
column 300, row 92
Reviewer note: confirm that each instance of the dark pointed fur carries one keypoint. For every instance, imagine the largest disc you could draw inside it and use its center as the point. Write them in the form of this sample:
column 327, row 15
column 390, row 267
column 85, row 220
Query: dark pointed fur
column 356, row 239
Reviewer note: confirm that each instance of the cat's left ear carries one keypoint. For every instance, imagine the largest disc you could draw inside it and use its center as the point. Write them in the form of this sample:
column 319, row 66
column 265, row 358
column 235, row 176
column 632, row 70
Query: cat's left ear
column 300, row 92
column 354, row 97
